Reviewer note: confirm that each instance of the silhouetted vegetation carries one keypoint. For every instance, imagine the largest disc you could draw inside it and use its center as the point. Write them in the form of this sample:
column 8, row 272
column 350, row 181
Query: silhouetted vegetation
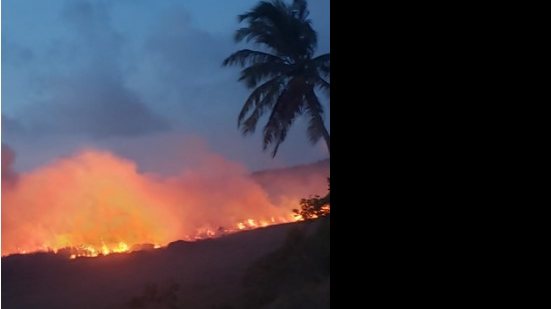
column 314, row 207
column 283, row 80
column 294, row 276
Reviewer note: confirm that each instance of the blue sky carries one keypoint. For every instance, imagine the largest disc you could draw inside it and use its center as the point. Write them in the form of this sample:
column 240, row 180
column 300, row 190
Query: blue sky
column 140, row 78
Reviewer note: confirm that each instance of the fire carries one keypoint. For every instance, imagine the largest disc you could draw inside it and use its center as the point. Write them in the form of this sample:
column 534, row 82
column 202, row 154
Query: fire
column 95, row 203
column 91, row 251
column 104, row 249
column 122, row 247
column 202, row 233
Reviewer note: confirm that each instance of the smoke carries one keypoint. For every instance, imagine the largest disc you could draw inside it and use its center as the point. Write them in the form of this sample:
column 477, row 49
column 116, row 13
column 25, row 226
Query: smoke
column 80, row 86
column 97, row 198
column 288, row 183
column 9, row 176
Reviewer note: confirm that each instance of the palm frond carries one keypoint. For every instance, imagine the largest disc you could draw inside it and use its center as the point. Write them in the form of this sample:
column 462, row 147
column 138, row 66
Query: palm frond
column 265, row 33
column 265, row 9
column 287, row 73
column 246, row 57
column 249, row 125
column 268, row 100
column 287, row 107
column 315, row 122
column 308, row 38
column 322, row 64
column 255, row 73
column 323, row 85
column 322, row 60
column 258, row 31
column 301, row 7
column 284, row 28
column 261, row 99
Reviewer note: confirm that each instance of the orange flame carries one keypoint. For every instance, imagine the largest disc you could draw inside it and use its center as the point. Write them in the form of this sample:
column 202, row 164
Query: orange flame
column 97, row 204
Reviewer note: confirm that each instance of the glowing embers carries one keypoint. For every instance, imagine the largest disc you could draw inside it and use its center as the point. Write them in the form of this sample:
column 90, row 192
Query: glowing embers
column 106, row 248
column 247, row 224
column 103, row 249
column 91, row 251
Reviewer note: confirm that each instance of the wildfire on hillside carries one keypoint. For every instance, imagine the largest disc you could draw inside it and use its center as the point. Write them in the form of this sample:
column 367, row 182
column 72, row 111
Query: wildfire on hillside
column 96, row 203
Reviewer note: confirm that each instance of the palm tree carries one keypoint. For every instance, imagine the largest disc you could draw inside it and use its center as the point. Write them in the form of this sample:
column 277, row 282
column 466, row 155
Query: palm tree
column 283, row 75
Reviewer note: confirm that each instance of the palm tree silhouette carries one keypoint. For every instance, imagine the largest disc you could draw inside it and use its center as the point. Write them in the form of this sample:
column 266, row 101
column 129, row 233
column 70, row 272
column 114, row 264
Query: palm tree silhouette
column 284, row 75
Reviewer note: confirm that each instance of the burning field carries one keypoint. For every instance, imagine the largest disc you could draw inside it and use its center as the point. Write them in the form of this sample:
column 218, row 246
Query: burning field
column 96, row 203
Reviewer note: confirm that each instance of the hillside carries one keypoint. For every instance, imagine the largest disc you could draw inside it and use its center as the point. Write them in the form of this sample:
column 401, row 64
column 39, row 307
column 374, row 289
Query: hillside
column 214, row 273
column 301, row 180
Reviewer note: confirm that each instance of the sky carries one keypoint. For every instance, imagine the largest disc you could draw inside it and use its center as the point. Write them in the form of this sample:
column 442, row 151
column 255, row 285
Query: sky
column 142, row 79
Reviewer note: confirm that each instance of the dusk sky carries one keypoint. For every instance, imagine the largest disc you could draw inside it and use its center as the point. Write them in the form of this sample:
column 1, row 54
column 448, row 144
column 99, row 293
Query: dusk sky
column 142, row 79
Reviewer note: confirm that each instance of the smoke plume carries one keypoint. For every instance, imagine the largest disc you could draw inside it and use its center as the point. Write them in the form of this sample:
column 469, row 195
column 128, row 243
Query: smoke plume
column 96, row 198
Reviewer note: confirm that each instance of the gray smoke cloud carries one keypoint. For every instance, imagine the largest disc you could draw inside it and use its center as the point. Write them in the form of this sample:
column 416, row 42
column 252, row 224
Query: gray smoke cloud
column 9, row 176
column 86, row 93
column 124, row 74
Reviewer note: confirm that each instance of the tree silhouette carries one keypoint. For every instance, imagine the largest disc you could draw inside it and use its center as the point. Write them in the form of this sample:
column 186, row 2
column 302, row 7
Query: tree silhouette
column 315, row 207
column 284, row 76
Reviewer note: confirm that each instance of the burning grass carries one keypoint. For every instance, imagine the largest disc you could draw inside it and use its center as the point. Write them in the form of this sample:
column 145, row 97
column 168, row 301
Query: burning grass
column 97, row 203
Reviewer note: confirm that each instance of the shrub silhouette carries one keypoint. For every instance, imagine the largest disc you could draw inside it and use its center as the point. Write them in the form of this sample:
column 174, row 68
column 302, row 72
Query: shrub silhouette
column 314, row 207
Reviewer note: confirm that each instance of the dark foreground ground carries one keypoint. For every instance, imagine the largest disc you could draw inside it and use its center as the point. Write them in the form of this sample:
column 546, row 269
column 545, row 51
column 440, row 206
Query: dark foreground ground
column 285, row 266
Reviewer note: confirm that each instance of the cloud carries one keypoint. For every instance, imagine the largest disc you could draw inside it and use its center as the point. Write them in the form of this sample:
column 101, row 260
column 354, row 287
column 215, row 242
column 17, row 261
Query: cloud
column 90, row 96
column 182, row 66
column 97, row 105
column 12, row 127
column 185, row 51
column 16, row 55
column 117, row 73
column 9, row 176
